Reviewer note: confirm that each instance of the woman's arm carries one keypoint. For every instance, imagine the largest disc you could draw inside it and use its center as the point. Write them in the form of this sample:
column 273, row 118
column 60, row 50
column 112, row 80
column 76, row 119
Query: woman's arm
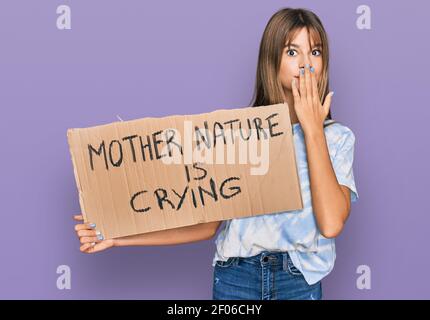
column 197, row 232
column 330, row 200
column 92, row 241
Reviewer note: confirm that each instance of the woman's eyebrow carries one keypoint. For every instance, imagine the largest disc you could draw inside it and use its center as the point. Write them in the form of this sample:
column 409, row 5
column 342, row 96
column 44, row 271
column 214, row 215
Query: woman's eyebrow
column 318, row 45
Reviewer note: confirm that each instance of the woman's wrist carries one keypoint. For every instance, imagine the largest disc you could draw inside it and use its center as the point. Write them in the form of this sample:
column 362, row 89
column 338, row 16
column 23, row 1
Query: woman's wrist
column 133, row 240
column 116, row 242
column 313, row 133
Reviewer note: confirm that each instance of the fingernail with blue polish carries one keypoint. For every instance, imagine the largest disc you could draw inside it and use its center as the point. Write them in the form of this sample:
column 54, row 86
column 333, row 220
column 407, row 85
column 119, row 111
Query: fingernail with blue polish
column 302, row 71
column 312, row 69
column 92, row 225
column 100, row 237
column 307, row 65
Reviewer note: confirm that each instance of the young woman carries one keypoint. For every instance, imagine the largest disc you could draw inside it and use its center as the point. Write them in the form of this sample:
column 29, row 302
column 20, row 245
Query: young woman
column 283, row 255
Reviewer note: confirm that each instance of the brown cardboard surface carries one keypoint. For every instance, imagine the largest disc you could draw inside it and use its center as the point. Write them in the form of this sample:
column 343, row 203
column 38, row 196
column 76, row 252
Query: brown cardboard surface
column 125, row 192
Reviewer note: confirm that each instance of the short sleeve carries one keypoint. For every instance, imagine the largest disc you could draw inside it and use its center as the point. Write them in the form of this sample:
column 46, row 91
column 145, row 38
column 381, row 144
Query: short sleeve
column 343, row 160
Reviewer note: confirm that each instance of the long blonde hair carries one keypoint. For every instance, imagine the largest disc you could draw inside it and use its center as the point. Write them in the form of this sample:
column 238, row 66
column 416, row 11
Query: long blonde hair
column 280, row 30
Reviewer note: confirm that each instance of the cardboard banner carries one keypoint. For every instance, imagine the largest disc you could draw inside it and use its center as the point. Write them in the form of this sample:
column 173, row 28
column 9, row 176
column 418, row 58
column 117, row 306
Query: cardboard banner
column 153, row 174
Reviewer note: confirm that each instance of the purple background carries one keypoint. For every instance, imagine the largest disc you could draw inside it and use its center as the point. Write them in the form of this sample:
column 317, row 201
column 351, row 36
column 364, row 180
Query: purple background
column 156, row 58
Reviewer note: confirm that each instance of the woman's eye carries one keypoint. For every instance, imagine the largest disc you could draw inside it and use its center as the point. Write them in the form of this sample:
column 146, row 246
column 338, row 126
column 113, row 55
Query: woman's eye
column 318, row 52
column 291, row 51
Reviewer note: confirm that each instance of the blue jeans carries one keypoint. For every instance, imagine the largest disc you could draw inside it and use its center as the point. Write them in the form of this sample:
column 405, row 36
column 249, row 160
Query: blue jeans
column 266, row 276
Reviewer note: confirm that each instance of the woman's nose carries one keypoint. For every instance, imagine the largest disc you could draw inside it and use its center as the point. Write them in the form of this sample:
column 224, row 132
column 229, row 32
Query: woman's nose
column 304, row 62
column 302, row 65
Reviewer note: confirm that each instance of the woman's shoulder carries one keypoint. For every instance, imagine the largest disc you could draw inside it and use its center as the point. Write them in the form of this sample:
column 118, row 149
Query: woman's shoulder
column 338, row 132
column 337, row 127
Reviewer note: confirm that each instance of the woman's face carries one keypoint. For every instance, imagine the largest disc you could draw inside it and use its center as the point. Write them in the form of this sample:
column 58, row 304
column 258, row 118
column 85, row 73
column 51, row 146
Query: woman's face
column 296, row 56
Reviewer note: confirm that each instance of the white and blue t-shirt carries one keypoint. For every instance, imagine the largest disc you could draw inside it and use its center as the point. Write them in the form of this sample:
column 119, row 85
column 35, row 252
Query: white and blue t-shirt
column 294, row 231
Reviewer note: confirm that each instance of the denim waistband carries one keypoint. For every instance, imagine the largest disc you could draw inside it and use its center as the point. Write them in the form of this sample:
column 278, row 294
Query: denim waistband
column 269, row 257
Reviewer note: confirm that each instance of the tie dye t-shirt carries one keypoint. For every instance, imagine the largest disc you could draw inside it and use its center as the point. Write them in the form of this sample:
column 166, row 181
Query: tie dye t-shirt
column 294, row 231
